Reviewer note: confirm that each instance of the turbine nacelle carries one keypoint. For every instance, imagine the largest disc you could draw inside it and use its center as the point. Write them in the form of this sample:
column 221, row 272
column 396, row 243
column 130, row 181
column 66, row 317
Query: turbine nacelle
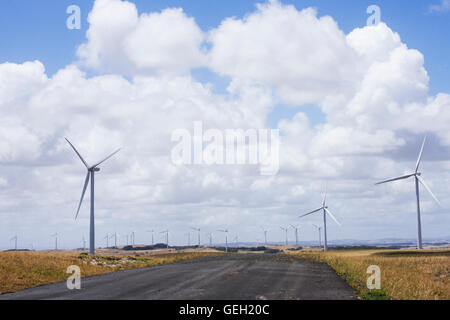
column 94, row 169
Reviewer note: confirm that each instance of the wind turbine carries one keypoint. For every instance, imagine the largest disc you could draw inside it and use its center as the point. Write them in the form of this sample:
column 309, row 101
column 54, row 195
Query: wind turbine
column 15, row 242
column 114, row 235
column 198, row 233
column 90, row 174
column 265, row 235
column 189, row 238
column 167, row 237
column 320, row 238
column 286, row 231
column 107, row 240
column 325, row 210
column 126, row 236
column 296, row 233
column 84, row 243
column 417, row 179
column 235, row 241
column 56, row 240
column 210, row 238
column 226, row 238
column 152, row 235
column 132, row 235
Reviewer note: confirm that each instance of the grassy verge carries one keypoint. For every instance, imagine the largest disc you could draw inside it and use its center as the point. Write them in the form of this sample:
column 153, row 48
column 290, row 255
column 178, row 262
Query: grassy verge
column 20, row 270
column 405, row 275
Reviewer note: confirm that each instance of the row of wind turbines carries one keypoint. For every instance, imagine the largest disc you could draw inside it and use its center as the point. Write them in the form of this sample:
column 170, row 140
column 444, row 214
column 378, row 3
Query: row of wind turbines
column 90, row 175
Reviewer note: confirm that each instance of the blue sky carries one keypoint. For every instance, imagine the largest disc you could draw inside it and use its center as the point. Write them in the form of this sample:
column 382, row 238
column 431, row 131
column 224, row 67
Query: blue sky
column 33, row 30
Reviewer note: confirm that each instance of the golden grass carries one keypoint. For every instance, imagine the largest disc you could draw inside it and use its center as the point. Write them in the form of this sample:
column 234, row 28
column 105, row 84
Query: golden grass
column 20, row 270
column 405, row 275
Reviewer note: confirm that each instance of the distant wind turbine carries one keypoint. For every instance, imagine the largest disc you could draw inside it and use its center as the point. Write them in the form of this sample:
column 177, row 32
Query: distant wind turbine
column 56, row 240
column 210, row 238
column 198, row 234
column 132, row 235
column 325, row 210
column 226, row 238
column 320, row 238
column 15, row 242
column 296, row 233
column 107, row 240
column 152, row 235
column 90, row 175
column 286, row 231
column 114, row 235
column 167, row 237
column 84, row 243
column 265, row 235
column 417, row 179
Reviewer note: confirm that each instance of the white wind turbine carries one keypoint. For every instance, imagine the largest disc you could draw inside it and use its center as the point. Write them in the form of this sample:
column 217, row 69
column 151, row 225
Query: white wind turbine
column 325, row 210
column 152, row 235
column 114, row 235
column 90, row 175
column 132, row 235
column 265, row 235
column 15, row 242
column 84, row 243
column 210, row 238
column 226, row 238
column 417, row 179
column 107, row 240
column 286, row 231
column 167, row 237
column 296, row 233
column 56, row 240
column 320, row 237
column 198, row 233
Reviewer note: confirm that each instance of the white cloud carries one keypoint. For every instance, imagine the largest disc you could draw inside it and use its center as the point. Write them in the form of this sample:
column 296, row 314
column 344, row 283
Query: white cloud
column 121, row 41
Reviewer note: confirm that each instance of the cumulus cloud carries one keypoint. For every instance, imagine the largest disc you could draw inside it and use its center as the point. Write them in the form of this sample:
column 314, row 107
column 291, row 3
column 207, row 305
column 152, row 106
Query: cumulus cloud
column 167, row 42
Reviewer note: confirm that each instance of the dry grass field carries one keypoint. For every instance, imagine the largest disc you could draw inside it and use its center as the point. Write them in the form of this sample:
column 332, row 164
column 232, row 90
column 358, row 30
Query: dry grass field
column 20, row 270
column 405, row 274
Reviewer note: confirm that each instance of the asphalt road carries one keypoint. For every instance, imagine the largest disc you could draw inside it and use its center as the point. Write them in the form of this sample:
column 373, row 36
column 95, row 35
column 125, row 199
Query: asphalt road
column 230, row 277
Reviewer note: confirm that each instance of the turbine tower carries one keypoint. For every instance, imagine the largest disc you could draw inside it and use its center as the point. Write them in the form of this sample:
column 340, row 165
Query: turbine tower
column 84, row 243
column 210, row 238
column 325, row 210
column 417, row 179
column 198, row 233
column 56, row 240
column 90, row 175
column 15, row 242
column 286, row 231
column 167, row 237
column 296, row 233
column 226, row 238
column 132, row 235
column 265, row 235
column 152, row 235
column 320, row 237
column 114, row 235
column 107, row 240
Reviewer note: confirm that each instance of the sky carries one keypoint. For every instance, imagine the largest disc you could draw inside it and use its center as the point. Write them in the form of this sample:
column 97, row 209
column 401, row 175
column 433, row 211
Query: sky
column 352, row 103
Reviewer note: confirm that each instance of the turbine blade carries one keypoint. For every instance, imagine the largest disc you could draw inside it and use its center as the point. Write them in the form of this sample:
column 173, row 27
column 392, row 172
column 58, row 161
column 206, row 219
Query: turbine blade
column 311, row 212
column 420, row 154
column 429, row 190
column 86, row 182
column 394, row 179
column 332, row 216
column 325, row 196
column 97, row 164
column 79, row 155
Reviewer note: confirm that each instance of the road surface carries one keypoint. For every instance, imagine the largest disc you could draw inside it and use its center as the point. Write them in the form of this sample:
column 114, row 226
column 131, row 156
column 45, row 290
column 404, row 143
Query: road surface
column 256, row 276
